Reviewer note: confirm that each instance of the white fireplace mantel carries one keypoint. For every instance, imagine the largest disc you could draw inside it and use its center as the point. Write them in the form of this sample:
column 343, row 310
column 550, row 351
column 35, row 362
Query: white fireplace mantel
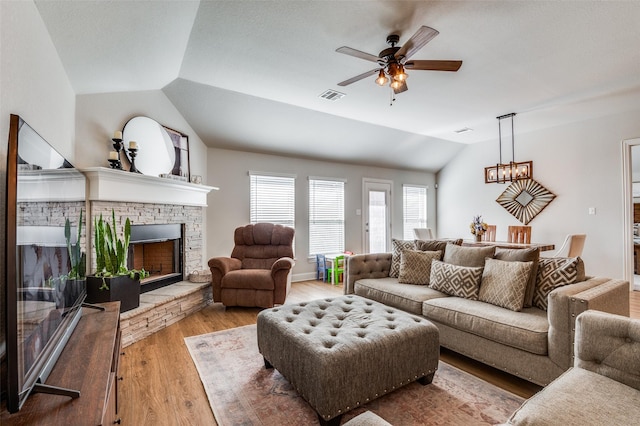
column 118, row 185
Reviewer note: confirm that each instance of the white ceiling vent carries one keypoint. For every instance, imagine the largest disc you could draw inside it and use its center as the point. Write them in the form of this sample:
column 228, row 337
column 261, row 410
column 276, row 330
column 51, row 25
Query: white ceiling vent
column 463, row 130
column 332, row 95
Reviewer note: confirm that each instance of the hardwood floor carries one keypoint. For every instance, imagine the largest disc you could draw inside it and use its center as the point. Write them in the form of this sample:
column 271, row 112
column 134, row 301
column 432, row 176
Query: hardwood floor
column 161, row 384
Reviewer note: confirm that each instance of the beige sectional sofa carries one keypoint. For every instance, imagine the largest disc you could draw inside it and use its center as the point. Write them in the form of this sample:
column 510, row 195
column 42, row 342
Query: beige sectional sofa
column 531, row 343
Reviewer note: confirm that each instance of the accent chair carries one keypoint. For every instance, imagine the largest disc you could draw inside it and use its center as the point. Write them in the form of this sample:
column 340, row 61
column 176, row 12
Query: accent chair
column 258, row 273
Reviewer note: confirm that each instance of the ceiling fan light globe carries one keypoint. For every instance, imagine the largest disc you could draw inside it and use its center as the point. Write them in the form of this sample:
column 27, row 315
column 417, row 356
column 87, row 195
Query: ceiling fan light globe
column 382, row 79
column 400, row 74
column 396, row 84
column 400, row 77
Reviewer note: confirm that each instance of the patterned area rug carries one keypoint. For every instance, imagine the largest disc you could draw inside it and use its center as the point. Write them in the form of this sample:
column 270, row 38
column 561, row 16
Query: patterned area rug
column 242, row 392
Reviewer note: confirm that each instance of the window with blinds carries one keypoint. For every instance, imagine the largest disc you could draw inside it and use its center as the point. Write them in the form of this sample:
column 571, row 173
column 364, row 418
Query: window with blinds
column 326, row 216
column 414, row 201
column 273, row 199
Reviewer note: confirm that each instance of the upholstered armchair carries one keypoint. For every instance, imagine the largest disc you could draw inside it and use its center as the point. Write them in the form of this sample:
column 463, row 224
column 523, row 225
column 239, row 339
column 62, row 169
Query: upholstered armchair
column 603, row 387
column 258, row 273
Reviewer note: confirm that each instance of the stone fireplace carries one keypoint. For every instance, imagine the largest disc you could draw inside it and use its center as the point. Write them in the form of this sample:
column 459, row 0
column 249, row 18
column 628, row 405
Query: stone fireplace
column 176, row 210
column 170, row 244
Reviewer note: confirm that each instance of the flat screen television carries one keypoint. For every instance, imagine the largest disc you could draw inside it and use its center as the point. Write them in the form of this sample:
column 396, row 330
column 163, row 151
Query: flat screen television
column 45, row 261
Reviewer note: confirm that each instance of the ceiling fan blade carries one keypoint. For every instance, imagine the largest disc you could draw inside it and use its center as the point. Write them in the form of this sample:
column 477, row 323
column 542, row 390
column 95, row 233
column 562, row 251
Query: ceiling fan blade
column 416, row 42
column 402, row 88
column 433, row 65
column 357, row 53
column 359, row 77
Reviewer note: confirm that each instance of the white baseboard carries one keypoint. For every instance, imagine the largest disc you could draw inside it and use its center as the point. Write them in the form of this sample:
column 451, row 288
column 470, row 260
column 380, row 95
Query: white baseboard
column 306, row 276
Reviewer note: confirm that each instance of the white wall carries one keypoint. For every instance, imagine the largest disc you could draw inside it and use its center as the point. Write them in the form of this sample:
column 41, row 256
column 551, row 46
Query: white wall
column 99, row 115
column 34, row 85
column 33, row 82
column 229, row 207
column 581, row 163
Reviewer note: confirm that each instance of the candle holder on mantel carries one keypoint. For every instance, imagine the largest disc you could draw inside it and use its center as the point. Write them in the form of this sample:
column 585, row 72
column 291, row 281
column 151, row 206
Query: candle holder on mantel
column 132, row 154
column 117, row 145
column 115, row 164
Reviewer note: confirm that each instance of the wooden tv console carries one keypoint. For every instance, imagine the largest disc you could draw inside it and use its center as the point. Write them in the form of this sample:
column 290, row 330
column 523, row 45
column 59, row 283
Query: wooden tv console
column 88, row 363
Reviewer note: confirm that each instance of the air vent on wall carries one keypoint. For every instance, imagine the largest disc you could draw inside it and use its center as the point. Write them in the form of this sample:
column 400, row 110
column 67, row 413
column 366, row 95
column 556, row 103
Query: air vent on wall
column 332, row 95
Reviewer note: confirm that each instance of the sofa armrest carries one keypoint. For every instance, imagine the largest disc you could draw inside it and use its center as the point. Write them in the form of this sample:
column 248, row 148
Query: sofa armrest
column 220, row 266
column 567, row 302
column 359, row 266
column 609, row 345
column 282, row 264
column 281, row 275
column 224, row 264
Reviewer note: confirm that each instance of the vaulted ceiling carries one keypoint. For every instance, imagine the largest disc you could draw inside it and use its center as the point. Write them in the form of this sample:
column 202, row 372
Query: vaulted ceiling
column 247, row 75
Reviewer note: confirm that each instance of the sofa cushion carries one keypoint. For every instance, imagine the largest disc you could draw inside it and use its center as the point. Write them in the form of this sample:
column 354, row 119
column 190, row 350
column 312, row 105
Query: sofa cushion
column 526, row 330
column 523, row 255
column 435, row 245
column 504, row 283
column 467, row 256
column 580, row 397
column 553, row 273
column 389, row 291
column 396, row 254
column 415, row 266
column 461, row 281
column 431, row 245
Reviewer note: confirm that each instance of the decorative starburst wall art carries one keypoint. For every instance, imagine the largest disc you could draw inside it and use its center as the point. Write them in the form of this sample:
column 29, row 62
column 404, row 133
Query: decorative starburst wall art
column 525, row 199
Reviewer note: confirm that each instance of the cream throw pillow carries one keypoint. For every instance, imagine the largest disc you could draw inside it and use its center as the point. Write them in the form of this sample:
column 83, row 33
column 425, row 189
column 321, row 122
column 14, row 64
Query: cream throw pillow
column 505, row 283
column 415, row 266
column 461, row 281
column 467, row 256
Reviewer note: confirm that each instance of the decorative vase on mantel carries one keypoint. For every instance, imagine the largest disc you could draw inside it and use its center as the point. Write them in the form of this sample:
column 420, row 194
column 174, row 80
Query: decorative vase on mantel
column 478, row 238
column 119, row 288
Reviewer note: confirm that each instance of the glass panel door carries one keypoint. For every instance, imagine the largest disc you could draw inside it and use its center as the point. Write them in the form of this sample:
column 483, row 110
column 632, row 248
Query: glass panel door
column 377, row 217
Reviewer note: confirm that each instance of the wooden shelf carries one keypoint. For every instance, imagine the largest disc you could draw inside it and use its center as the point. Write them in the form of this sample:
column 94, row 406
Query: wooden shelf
column 88, row 363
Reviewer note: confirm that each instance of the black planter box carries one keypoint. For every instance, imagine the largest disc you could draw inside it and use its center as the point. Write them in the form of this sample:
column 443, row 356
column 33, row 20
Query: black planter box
column 122, row 288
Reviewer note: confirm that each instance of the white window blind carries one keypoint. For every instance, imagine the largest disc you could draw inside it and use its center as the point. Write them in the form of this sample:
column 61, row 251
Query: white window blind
column 414, row 200
column 326, row 216
column 273, row 199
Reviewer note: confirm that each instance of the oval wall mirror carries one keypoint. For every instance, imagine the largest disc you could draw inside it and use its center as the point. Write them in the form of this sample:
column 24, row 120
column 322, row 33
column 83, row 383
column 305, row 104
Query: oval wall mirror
column 156, row 154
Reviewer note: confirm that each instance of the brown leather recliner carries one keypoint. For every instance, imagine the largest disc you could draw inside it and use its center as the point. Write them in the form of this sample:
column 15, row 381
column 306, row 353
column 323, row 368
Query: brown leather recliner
column 258, row 273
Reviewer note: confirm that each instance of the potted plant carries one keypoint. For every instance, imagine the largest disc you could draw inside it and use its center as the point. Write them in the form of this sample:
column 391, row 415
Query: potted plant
column 113, row 280
column 78, row 261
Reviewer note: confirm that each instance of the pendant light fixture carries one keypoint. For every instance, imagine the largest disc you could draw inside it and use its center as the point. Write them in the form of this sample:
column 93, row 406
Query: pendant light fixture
column 511, row 171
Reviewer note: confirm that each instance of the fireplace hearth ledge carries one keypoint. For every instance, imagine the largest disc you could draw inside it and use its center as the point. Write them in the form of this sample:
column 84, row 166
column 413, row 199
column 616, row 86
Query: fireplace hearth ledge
column 162, row 307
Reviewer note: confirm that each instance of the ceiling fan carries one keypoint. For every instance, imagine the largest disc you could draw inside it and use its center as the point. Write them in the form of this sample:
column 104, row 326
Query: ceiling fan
column 394, row 60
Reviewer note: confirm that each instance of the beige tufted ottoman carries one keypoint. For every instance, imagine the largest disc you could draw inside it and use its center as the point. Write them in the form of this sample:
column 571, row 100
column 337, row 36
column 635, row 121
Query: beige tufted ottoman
column 341, row 352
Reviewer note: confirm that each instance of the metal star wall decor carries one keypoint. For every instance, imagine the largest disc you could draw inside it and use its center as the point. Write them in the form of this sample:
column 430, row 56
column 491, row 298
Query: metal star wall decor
column 525, row 199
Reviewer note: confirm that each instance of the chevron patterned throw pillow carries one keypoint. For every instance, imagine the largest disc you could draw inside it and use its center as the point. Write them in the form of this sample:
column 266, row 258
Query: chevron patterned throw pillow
column 461, row 281
column 554, row 273
column 398, row 247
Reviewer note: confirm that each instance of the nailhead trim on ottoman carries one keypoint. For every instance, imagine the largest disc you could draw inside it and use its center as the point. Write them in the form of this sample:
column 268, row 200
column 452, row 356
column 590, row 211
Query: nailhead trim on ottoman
column 342, row 352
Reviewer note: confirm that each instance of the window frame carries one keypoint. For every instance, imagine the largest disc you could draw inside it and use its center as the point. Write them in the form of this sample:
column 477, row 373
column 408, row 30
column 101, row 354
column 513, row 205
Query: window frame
column 261, row 213
column 317, row 183
column 408, row 224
